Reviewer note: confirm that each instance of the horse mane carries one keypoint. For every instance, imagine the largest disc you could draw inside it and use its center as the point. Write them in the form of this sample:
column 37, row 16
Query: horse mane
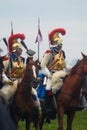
column 73, row 70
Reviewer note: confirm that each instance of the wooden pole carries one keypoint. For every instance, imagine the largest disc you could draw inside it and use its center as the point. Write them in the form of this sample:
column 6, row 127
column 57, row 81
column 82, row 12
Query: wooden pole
column 38, row 38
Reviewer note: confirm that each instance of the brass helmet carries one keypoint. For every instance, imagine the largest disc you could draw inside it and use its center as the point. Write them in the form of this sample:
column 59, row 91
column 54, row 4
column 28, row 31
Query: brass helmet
column 13, row 43
column 54, row 38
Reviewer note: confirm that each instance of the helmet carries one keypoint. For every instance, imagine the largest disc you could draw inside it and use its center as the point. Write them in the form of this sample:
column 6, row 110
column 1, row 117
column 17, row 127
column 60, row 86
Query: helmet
column 13, row 43
column 54, row 36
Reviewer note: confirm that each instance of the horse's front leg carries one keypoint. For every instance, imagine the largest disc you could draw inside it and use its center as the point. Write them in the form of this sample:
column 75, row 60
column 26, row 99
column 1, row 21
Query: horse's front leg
column 60, row 112
column 70, row 118
column 28, row 122
column 41, row 121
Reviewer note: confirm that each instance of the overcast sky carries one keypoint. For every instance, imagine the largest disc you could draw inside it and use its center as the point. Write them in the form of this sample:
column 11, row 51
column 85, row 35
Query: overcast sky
column 68, row 14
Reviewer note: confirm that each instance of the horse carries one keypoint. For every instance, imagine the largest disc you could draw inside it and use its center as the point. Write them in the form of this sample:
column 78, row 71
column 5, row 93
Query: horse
column 22, row 106
column 68, row 97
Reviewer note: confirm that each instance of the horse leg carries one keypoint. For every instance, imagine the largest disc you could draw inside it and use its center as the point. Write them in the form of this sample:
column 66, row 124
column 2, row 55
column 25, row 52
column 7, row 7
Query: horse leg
column 60, row 112
column 28, row 122
column 70, row 118
column 41, row 121
column 36, row 120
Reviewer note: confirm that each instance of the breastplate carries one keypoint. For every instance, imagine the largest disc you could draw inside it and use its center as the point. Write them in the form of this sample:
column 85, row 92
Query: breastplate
column 17, row 69
column 58, row 63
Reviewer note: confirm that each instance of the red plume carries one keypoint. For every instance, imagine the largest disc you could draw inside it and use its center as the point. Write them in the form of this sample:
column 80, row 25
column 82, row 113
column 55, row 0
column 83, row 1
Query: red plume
column 57, row 30
column 14, row 36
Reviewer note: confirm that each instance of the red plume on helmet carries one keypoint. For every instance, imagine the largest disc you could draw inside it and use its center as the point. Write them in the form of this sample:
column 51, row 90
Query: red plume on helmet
column 53, row 32
column 13, row 38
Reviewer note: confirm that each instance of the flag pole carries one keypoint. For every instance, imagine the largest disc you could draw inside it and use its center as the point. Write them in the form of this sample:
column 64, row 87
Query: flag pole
column 11, row 28
column 48, row 41
column 38, row 40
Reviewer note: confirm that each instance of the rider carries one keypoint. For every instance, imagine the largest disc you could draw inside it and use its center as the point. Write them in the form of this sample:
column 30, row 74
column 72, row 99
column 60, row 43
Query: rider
column 17, row 63
column 14, row 62
column 53, row 62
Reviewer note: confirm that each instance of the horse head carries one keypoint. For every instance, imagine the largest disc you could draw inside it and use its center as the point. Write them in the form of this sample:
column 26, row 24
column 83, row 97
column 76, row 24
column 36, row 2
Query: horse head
column 81, row 66
column 84, row 64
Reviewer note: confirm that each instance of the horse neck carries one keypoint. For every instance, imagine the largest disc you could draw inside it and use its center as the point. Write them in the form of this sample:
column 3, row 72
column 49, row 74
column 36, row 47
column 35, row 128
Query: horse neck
column 24, row 89
column 74, row 80
column 26, row 78
column 77, row 70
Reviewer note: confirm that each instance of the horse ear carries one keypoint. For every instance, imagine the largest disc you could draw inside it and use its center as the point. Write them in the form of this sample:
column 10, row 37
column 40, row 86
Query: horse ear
column 83, row 55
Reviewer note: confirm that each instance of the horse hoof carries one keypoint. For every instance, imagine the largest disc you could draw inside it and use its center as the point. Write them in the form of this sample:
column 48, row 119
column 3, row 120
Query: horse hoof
column 48, row 120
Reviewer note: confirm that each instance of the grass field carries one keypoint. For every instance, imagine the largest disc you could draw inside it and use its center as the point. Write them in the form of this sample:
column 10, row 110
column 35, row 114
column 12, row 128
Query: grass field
column 79, row 123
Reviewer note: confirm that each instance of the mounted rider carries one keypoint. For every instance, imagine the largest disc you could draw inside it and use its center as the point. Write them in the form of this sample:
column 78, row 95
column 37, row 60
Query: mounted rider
column 16, row 63
column 53, row 65
column 13, row 62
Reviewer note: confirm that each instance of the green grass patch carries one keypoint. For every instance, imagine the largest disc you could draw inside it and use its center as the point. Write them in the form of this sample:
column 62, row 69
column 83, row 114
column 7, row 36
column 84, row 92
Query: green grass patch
column 79, row 123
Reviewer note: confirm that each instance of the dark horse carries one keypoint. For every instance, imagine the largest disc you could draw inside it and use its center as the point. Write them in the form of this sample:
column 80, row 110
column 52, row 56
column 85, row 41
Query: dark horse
column 22, row 105
column 6, row 122
column 68, row 98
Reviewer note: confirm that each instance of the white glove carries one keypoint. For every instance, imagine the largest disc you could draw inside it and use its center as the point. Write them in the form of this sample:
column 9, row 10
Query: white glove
column 46, row 71
column 5, row 78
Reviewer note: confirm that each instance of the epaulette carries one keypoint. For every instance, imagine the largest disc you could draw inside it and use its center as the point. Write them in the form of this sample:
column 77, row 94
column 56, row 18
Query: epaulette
column 5, row 58
column 48, row 51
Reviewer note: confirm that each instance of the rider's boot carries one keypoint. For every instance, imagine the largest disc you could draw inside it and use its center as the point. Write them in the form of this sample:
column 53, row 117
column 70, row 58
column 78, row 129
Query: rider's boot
column 48, row 101
column 49, row 109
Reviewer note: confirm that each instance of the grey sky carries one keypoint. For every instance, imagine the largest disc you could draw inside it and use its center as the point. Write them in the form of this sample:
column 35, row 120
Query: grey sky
column 68, row 14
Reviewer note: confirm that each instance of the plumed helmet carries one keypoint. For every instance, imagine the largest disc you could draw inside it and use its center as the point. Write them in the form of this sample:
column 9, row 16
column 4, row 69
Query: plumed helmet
column 54, row 35
column 13, row 41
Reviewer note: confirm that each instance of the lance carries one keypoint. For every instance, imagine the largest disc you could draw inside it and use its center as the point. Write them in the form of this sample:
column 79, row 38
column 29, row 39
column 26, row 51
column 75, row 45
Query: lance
column 9, row 58
column 5, row 41
column 11, row 28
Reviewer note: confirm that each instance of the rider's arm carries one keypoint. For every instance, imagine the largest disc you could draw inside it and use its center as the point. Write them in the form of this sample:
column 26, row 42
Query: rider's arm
column 44, row 64
column 6, row 79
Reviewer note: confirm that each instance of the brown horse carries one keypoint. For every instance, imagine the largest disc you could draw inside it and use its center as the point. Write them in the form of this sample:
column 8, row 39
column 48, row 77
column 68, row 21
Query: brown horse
column 22, row 105
column 68, row 98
